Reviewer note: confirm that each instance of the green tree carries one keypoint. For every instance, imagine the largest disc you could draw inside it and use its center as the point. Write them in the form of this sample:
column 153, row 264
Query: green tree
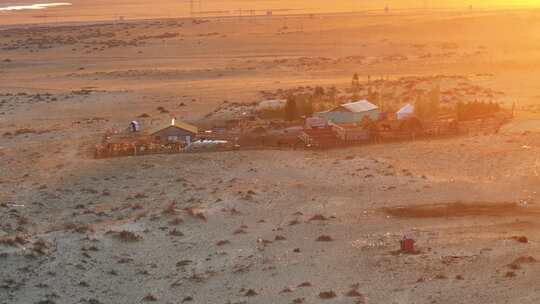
column 332, row 93
column 427, row 107
column 319, row 91
column 355, row 83
column 291, row 108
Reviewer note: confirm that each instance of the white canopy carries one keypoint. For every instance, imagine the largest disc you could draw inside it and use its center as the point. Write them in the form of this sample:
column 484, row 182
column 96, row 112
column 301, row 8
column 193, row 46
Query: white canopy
column 406, row 111
column 360, row 106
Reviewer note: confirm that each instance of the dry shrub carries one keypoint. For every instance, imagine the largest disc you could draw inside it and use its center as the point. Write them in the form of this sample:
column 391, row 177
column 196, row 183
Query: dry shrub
column 516, row 264
column 325, row 295
column 305, row 284
column 525, row 260
column 128, row 236
column 183, row 263
column 510, row 274
column 140, row 195
column 70, row 226
column 170, row 209
column 520, row 239
column 440, row 277
column 286, row 290
column 176, row 221
column 175, row 232
column 250, row 293
column 149, row 298
column 299, row 300
column 280, row 238
column 40, row 246
column 353, row 293
column 318, row 217
column 140, row 215
column 124, row 260
column 233, row 211
column 223, row 242
column 239, row 231
column 196, row 214
column 264, row 242
column 294, row 222
column 23, row 220
column 23, row 131
column 162, row 110
column 13, row 241
column 324, row 238
column 136, row 207
column 198, row 277
column 83, row 229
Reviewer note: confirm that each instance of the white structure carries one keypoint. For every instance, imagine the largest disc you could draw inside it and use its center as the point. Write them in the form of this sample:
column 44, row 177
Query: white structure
column 352, row 112
column 405, row 112
column 135, row 126
column 316, row 122
column 273, row 104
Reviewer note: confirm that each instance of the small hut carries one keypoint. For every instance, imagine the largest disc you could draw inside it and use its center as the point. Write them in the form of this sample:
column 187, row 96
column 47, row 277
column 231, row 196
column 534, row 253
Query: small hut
column 176, row 132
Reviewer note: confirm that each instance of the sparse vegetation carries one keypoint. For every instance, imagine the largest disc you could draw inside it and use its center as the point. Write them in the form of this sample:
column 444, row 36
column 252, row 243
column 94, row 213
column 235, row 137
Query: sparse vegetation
column 476, row 109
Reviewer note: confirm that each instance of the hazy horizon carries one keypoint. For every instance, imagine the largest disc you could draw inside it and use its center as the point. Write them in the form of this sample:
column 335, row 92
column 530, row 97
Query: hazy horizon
column 316, row 5
column 89, row 10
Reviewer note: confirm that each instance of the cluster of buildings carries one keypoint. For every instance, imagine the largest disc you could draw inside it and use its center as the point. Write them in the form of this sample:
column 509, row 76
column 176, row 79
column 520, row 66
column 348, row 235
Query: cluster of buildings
column 355, row 112
column 344, row 124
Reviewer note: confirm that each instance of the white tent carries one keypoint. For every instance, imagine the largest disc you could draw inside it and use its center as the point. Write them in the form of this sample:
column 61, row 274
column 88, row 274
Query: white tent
column 406, row 111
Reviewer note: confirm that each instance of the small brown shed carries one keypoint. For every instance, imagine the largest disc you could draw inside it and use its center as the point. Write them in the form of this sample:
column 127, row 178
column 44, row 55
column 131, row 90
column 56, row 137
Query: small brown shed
column 176, row 132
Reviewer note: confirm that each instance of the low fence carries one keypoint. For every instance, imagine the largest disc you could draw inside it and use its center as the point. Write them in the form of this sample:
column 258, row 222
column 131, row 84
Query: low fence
column 124, row 149
column 332, row 137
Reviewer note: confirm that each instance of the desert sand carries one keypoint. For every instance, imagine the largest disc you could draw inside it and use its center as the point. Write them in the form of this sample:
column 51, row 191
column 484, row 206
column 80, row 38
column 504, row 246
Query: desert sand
column 263, row 226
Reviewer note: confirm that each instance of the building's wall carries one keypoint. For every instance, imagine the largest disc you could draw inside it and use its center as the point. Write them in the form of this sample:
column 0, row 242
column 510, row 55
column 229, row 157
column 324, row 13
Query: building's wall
column 164, row 136
column 348, row 117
